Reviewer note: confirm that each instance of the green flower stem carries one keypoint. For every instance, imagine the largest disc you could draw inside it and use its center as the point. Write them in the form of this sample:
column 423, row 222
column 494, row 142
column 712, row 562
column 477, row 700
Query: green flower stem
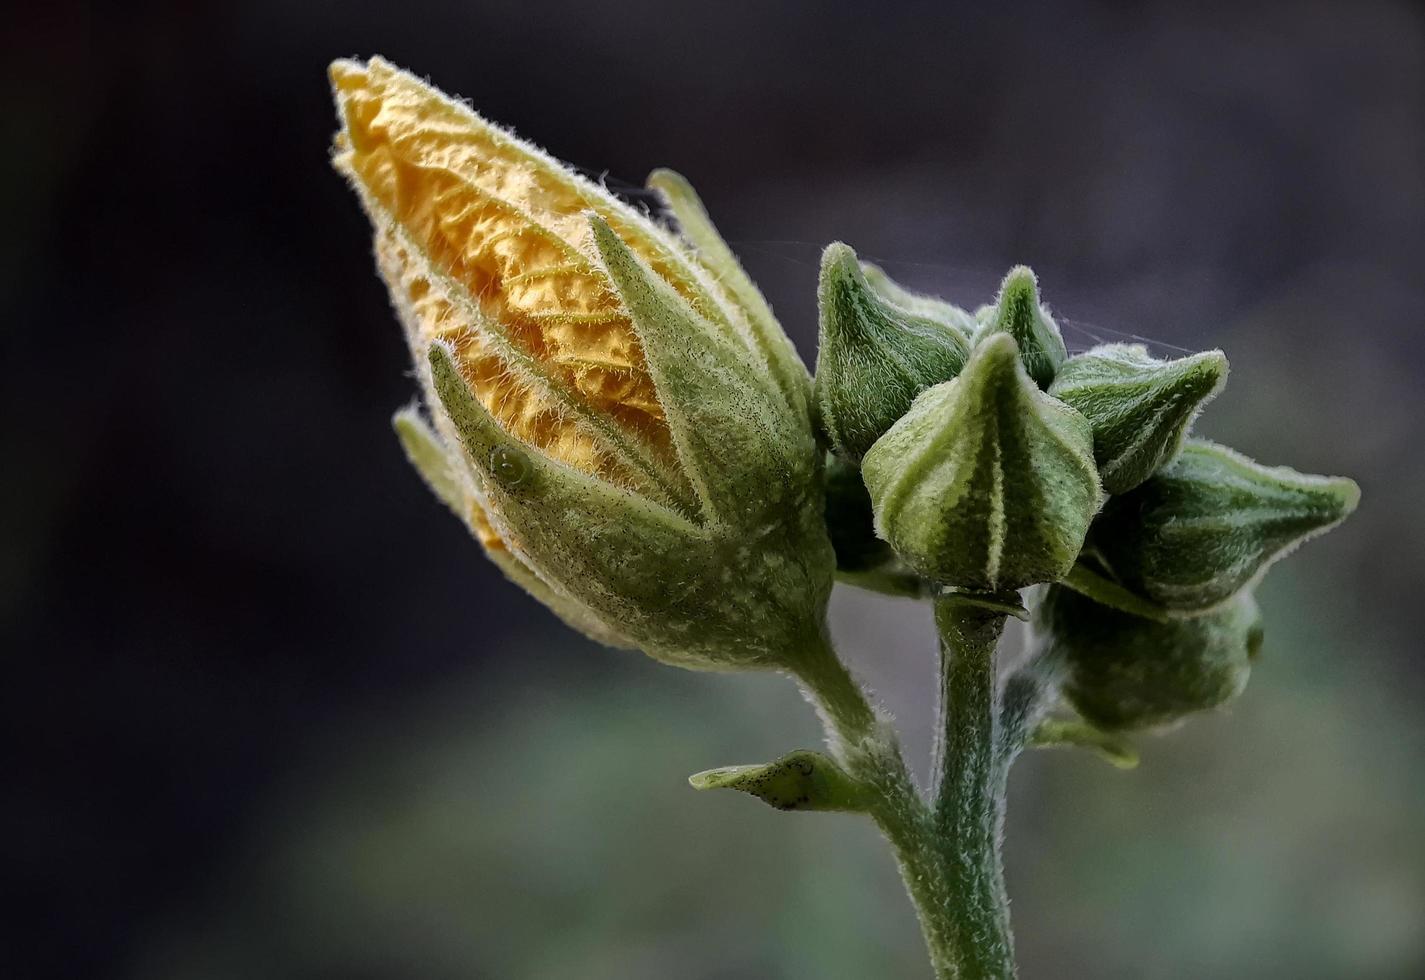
column 969, row 804
column 952, row 874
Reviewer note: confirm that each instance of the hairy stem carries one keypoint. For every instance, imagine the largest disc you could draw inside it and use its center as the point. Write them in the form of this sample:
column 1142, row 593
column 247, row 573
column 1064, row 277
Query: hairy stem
column 969, row 804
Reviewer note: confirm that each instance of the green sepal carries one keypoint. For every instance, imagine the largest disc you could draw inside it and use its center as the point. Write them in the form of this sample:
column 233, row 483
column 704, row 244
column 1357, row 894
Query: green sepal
column 698, row 231
column 987, row 484
column 747, row 453
column 1140, row 407
column 1086, row 581
column 919, row 304
column 660, row 577
column 801, row 780
column 428, row 454
column 1123, row 672
column 1018, row 312
column 874, row 356
column 1210, row 523
column 1113, row 748
column 438, row 468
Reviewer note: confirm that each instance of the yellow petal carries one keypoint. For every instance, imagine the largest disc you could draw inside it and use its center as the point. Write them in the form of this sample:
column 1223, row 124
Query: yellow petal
column 484, row 242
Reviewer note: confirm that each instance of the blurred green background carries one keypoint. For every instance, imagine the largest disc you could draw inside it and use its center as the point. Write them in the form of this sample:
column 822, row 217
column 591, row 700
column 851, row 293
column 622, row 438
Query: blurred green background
column 270, row 713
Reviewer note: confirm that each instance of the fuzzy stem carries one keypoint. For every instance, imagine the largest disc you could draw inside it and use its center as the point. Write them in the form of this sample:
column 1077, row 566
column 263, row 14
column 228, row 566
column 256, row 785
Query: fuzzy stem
column 866, row 745
column 969, row 805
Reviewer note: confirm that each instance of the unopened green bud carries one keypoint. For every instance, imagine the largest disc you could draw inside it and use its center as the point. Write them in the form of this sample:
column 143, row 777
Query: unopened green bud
column 1140, row 407
column 801, row 780
column 1210, row 523
column 1019, row 313
column 875, row 355
column 1124, row 672
column 986, row 484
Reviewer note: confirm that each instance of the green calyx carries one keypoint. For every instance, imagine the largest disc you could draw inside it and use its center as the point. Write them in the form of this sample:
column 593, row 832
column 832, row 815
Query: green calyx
column 1019, row 313
column 1209, row 525
column 1140, row 407
column 1123, row 672
column 986, row 484
column 880, row 347
column 801, row 780
column 688, row 593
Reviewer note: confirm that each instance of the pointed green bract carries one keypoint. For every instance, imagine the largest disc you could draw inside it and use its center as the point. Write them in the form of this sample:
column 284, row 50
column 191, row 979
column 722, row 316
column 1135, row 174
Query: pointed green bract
column 1124, row 672
column 730, row 428
column 875, row 356
column 801, row 780
column 1210, row 523
column 698, row 230
column 919, row 304
column 987, row 483
column 1140, row 407
column 1019, row 313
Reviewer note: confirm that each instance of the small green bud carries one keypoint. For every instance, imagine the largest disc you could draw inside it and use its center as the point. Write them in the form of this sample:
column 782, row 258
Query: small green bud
column 1125, row 672
column 986, row 484
column 801, row 780
column 1019, row 313
column 1140, row 407
column 1210, row 524
column 875, row 356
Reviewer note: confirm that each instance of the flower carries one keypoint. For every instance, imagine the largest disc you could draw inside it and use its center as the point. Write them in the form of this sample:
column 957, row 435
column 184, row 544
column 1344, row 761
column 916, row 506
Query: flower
column 617, row 416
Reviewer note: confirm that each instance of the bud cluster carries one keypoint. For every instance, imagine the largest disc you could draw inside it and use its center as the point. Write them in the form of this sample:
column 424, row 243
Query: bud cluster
column 994, row 461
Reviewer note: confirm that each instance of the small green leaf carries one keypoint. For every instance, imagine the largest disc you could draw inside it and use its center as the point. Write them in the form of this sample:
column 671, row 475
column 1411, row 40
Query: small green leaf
column 1140, row 407
column 875, row 356
column 1210, row 524
column 801, row 780
column 987, row 484
column 1123, row 672
column 1018, row 312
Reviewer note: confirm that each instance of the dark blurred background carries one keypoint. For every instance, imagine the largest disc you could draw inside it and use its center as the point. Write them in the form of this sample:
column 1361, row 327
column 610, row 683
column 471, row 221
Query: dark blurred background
column 270, row 714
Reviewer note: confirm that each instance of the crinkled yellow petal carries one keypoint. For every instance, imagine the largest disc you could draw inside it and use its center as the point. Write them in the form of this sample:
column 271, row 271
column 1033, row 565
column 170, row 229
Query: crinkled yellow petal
column 484, row 242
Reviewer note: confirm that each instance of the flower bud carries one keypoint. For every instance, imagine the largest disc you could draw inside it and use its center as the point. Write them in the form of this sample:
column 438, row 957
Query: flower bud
column 1019, row 313
column 615, row 413
column 1124, row 672
column 1140, row 407
column 986, row 484
column 1210, row 523
column 875, row 356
